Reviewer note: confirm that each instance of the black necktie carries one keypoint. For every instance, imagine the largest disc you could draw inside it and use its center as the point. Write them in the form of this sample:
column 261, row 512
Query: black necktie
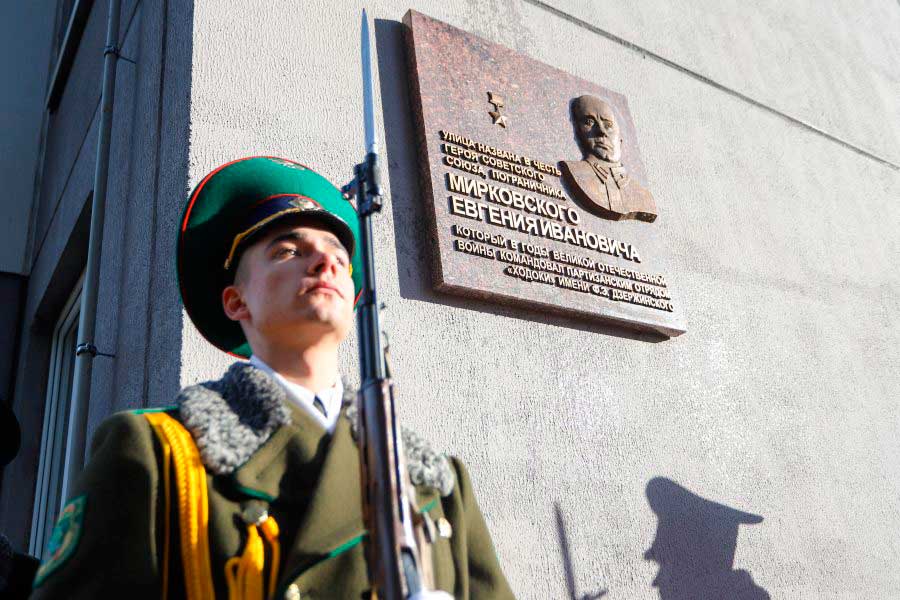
column 320, row 406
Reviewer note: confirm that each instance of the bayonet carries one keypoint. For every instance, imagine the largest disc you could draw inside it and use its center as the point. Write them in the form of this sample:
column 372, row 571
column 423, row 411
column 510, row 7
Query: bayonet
column 398, row 547
column 368, row 88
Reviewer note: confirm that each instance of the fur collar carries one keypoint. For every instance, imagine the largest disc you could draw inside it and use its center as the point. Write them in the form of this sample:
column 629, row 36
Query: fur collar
column 231, row 418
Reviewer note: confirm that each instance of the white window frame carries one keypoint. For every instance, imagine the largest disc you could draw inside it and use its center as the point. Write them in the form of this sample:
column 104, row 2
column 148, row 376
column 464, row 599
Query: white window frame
column 53, row 481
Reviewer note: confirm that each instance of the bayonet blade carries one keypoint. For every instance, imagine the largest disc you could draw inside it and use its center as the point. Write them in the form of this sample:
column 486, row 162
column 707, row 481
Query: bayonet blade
column 368, row 88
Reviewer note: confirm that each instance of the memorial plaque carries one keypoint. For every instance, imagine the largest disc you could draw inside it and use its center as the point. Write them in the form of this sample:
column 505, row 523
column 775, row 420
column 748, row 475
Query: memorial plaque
column 534, row 184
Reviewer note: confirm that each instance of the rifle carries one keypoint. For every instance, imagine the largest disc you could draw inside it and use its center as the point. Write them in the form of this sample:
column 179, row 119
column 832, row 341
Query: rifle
column 398, row 547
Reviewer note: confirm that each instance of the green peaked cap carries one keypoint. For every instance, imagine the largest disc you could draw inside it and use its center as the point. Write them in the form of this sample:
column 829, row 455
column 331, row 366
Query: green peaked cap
column 217, row 212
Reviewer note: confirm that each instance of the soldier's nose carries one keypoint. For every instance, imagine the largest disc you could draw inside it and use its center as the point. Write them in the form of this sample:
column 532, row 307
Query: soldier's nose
column 325, row 261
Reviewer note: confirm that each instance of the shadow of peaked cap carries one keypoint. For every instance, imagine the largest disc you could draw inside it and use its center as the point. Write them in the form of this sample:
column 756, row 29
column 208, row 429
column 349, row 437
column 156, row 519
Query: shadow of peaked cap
column 229, row 209
column 696, row 533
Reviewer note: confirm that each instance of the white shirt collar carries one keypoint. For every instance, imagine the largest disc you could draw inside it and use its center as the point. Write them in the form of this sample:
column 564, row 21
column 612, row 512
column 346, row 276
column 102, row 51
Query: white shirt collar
column 331, row 398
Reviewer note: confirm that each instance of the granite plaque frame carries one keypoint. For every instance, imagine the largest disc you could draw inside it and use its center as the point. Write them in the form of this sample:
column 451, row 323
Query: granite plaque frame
column 534, row 184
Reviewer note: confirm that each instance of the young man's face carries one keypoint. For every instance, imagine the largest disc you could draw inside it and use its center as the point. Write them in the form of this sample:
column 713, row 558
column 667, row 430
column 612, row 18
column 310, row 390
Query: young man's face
column 292, row 286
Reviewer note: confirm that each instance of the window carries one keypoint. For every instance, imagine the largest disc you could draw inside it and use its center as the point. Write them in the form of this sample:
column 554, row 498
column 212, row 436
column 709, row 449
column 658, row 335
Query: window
column 53, row 481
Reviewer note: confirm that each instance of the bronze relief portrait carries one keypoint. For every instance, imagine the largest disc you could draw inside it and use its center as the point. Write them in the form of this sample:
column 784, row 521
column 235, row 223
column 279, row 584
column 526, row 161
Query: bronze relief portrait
column 599, row 182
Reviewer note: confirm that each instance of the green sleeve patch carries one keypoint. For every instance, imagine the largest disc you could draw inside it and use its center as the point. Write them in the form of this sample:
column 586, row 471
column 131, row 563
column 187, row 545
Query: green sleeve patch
column 64, row 538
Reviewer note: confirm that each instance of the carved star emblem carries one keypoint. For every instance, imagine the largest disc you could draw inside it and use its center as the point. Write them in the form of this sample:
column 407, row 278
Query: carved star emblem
column 498, row 103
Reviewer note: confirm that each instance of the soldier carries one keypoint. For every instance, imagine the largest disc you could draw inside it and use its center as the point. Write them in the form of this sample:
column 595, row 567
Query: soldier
column 248, row 487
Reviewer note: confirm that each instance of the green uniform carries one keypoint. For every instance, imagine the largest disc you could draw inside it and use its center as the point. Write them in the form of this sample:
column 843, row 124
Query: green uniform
column 258, row 451
column 256, row 447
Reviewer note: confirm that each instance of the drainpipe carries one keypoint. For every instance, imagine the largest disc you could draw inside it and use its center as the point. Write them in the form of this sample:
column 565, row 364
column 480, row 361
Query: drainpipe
column 86, row 349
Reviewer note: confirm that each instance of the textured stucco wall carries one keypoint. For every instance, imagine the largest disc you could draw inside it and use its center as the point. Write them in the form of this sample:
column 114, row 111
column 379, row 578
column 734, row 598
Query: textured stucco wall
column 769, row 135
column 832, row 65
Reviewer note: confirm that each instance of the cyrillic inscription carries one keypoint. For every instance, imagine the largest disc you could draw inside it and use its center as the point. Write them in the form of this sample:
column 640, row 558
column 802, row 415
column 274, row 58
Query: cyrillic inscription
column 514, row 216
column 533, row 263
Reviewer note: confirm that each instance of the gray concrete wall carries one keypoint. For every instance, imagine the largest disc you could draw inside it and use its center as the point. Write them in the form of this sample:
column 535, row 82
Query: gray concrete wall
column 26, row 31
column 830, row 65
column 770, row 135
column 147, row 180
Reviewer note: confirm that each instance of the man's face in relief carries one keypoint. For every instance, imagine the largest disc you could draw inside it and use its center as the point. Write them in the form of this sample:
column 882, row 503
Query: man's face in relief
column 597, row 129
column 292, row 286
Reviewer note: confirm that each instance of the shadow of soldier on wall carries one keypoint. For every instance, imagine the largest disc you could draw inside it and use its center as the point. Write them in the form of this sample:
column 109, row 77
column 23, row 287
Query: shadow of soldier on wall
column 695, row 545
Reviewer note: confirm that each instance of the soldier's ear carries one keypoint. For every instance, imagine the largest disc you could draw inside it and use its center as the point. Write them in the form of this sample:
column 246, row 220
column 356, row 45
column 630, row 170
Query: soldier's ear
column 233, row 304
